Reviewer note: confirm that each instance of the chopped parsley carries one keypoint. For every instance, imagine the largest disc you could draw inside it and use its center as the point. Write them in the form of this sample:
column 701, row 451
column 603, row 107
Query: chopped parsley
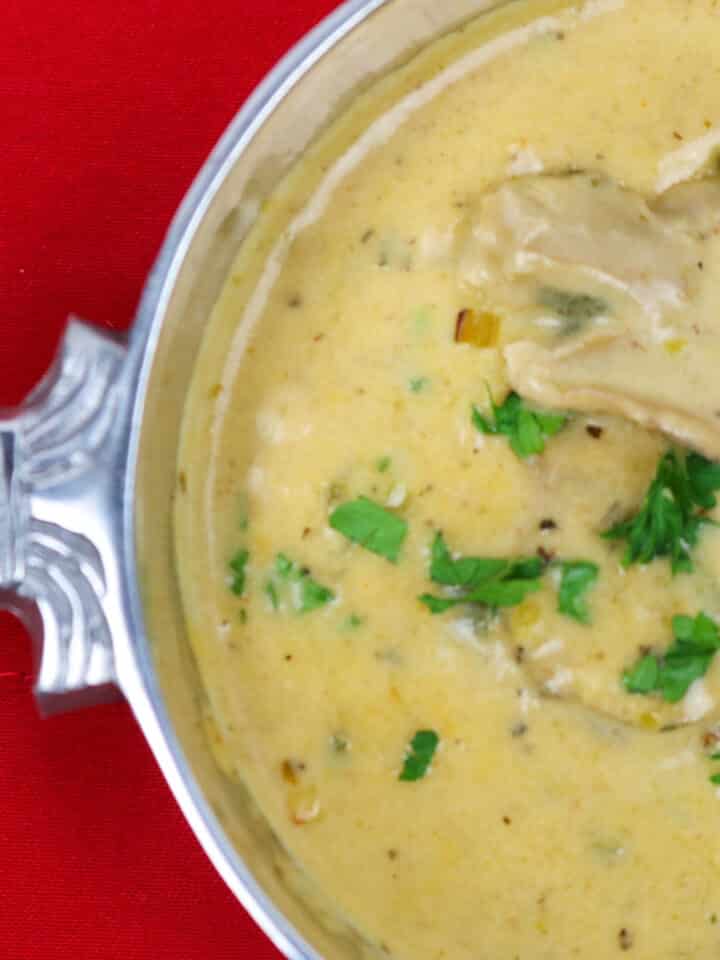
column 526, row 429
column 313, row 594
column 669, row 520
column 577, row 578
column 670, row 674
column 489, row 581
column 576, row 309
column 419, row 754
column 353, row 622
column 238, row 572
column 418, row 384
column 306, row 594
column 383, row 464
column 643, row 677
column 272, row 594
column 714, row 779
column 284, row 567
column 339, row 743
column 371, row 526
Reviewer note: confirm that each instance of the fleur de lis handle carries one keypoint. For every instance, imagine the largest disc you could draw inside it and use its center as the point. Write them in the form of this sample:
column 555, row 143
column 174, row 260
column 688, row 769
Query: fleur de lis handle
column 60, row 476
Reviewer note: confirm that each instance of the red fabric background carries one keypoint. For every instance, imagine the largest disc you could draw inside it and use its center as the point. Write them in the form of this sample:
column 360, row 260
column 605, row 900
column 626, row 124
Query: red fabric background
column 107, row 110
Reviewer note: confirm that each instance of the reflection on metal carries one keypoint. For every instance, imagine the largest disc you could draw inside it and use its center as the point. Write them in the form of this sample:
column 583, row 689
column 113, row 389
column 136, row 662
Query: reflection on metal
column 57, row 453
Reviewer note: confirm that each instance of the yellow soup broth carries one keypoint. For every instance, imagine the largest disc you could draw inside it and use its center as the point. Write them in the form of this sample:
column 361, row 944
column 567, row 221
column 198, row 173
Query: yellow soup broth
column 519, row 768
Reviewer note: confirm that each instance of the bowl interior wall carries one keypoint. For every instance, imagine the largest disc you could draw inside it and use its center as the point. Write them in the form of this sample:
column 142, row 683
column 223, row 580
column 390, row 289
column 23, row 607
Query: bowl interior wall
column 387, row 37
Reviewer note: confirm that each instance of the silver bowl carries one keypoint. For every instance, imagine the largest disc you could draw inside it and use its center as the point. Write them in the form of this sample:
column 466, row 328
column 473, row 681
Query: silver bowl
column 88, row 470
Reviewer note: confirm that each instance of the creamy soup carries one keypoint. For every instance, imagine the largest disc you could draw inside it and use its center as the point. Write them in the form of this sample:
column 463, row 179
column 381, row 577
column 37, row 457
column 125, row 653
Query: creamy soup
column 446, row 495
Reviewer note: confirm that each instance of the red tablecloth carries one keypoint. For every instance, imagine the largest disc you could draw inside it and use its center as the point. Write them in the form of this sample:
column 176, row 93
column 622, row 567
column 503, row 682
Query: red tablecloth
column 107, row 110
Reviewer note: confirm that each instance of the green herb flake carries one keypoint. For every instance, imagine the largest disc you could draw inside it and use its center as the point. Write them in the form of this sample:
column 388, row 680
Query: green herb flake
column 283, row 566
column 715, row 778
column 383, row 464
column 307, row 594
column 671, row 516
column 339, row 743
column 488, row 581
column 371, row 526
column 419, row 755
column 353, row 622
column 313, row 594
column 461, row 571
column 577, row 578
column 526, row 429
column 438, row 604
column 643, row 677
column 238, row 571
column 418, row 384
column 271, row 593
column 576, row 309
column 671, row 674
column 704, row 480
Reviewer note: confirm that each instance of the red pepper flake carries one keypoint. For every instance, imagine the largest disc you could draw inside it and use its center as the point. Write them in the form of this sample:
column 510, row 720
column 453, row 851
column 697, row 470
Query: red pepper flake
column 291, row 771
column 461, row 319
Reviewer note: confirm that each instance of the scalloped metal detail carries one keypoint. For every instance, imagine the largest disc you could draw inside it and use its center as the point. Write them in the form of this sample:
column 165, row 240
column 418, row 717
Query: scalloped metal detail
column 56, row 452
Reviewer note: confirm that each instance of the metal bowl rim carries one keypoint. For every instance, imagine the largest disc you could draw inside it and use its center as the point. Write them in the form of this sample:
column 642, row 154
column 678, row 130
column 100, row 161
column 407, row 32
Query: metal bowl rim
column 138, row 681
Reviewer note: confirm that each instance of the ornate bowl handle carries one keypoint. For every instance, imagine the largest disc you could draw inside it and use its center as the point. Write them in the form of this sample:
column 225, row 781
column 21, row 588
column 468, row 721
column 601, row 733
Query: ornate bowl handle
column 61, row 458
